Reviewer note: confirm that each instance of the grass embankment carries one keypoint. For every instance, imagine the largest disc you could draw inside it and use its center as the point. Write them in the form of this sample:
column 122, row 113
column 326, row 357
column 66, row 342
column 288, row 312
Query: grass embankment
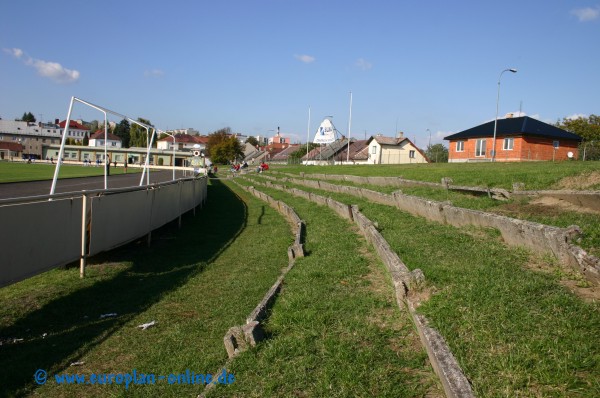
column 520, row 208
column 515, row 332
column 535, row 175
column 42, row 170
column 195, row 282
column 336, row 330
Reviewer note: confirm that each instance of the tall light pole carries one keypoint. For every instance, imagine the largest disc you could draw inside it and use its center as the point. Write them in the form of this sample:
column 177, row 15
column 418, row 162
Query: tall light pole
column 349, row 129
column 429, row 146
column 496, row 120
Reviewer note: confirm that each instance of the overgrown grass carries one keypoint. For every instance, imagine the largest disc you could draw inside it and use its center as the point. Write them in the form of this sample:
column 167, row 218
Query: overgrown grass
column 535, row 175
column 41, row 170
column 335, row 329
column 514, row 331
column 195, row 283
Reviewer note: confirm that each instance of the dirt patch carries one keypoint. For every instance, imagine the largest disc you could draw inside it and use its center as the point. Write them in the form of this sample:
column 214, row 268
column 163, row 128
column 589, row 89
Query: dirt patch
column 562, row 204
column 569, row 278
column 582, row 181
column 522, row 211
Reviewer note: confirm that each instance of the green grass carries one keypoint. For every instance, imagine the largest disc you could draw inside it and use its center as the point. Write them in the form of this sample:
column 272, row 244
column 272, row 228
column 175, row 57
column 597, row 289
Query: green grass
column 336, row 330
column 40, row 170
column 195, row 282
column 535, row 175
column 514, row 331
column 517, row 208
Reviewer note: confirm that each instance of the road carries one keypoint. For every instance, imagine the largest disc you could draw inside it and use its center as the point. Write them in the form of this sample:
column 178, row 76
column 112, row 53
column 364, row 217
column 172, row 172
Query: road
column 35, row 188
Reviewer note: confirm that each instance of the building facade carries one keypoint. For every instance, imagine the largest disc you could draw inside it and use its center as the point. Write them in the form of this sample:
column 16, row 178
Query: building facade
column 517, row 139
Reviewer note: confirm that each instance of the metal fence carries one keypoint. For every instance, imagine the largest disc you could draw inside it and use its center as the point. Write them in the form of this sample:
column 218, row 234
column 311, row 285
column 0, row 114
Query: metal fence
column 44, row 232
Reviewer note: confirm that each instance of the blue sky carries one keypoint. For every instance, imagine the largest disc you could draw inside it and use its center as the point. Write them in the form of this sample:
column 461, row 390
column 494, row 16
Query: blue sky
column 257, row 65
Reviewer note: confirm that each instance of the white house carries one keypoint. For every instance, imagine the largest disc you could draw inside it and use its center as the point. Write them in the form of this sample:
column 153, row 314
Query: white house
column 388, row 150
column 97, row 139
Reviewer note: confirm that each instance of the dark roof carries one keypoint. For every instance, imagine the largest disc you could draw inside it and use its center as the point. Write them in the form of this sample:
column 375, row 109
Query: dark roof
column 11, row 146
column 523, row 125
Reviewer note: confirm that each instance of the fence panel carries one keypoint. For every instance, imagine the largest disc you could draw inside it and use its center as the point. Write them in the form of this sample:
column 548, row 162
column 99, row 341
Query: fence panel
column 39, row 236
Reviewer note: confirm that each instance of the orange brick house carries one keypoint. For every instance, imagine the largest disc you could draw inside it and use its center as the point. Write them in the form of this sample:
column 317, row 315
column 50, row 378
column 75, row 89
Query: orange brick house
column 518, row 139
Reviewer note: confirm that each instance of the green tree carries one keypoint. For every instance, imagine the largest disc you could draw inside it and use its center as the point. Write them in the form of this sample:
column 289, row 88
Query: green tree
column 138, row 136
column 252, row 141
column 223, row 147
column 122, row 130
column 587, row 128
column 294, row 157
column 437, row 153
column 86, row 140
column 94, row 126
column 28, row 117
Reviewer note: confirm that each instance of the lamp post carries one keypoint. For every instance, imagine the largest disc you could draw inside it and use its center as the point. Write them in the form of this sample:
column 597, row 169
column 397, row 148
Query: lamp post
column 496, row 119
column 429, row 145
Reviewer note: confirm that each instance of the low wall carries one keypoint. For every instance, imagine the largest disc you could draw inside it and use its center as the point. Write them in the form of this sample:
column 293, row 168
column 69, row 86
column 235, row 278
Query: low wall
column 240, row 337
column 53, row 230
column 538, row 237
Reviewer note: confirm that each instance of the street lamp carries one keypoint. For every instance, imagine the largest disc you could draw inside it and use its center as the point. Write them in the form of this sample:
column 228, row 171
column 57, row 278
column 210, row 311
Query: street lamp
column 496, row 120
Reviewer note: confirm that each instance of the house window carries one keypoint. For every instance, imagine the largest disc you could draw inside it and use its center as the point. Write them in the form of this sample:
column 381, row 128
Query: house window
column 509, row 143
column 555, row 144
column 374, row 150
column 460, row 146
column 411, row 154
column 480, row 147
column 113, row 144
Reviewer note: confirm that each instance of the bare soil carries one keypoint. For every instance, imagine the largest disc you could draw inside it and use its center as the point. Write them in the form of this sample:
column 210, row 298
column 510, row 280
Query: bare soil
column 582, row 181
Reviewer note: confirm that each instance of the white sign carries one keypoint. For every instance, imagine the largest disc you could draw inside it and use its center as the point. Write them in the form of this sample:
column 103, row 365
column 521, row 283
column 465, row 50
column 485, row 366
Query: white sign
column 325, row 133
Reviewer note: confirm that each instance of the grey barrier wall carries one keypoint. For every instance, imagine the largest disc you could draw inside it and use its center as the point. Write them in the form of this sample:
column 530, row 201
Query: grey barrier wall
column 538, row 237
column 37, row 237
column 50, row 231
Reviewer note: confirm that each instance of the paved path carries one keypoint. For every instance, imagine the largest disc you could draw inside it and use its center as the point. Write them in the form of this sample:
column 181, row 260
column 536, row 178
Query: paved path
column 35, row 188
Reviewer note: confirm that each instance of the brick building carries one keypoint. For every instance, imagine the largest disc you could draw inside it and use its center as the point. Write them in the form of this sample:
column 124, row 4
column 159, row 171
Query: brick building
column 517, row 139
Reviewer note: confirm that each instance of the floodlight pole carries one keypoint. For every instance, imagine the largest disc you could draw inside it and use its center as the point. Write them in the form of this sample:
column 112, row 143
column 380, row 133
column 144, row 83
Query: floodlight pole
column 513, row 70
column 349, row 126
column 307, row 134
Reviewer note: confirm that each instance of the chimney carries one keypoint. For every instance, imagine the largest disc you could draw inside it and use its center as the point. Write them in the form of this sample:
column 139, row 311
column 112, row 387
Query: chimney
column 56, row 121
column 400, row 134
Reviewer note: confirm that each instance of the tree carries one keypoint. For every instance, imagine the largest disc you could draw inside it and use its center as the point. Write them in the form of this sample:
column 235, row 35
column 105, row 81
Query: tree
column 138, row 136
column 28, row 117
column 223, row 147
column 587, row 128
column 86, row 140
column 252, row 141
column 437, row 153
column 94, row 126
column 122, row 130
column 295, row 156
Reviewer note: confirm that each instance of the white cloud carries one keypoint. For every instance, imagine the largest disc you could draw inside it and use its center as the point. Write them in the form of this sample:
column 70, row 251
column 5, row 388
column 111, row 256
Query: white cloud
column 154, row 73
column 52, row 70
column 586, row 14
column 15, row 52
column 363, row 64
column 576, row 116
column 307, row 59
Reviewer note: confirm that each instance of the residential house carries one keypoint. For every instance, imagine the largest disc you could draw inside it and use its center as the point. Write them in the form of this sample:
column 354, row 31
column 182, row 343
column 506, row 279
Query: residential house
column 517, row 139
column 97, row 139
column 389, row 150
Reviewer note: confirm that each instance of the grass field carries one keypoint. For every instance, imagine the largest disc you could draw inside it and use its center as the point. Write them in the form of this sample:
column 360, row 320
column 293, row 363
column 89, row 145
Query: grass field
column 335, row 329
column 41, row 170
column 515, row 331
column 535, row 175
